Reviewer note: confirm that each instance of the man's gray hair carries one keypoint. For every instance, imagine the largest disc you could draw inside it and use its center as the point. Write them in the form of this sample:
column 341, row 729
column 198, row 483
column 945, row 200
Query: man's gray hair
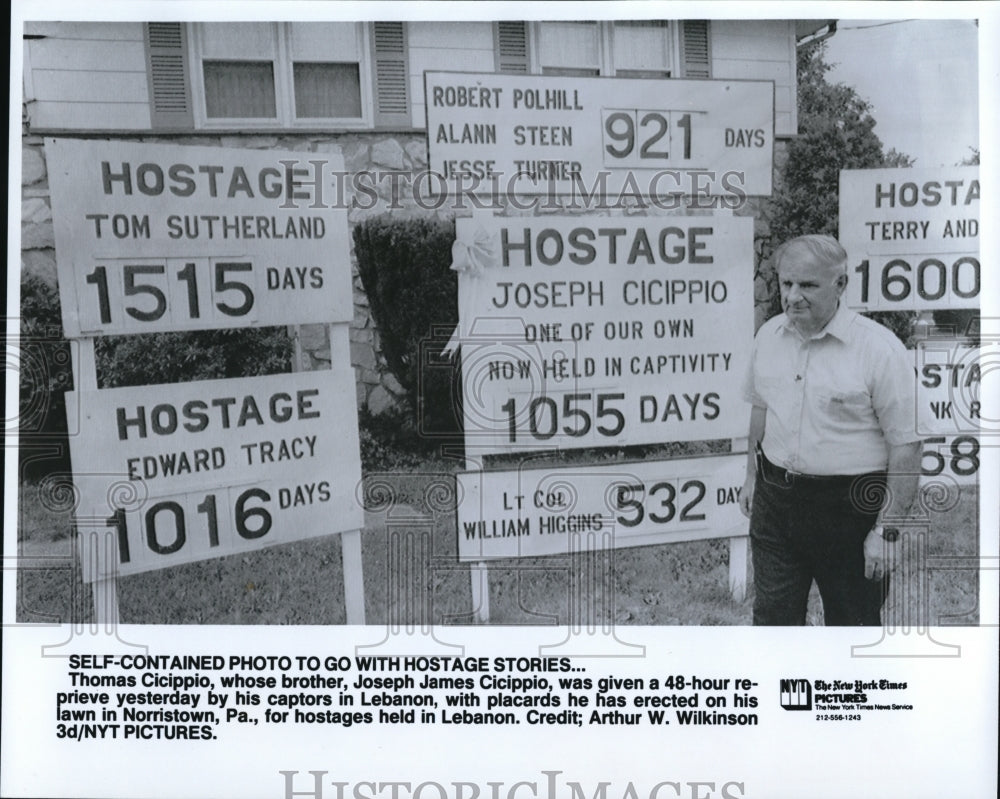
column 822, row 250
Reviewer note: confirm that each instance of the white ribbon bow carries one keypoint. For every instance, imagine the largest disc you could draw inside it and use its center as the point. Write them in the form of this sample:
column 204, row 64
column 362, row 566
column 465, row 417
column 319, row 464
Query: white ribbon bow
column 476, row 257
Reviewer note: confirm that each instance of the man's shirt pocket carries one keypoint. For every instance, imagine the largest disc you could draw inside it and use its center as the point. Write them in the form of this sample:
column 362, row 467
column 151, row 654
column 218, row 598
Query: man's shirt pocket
column 850, row 410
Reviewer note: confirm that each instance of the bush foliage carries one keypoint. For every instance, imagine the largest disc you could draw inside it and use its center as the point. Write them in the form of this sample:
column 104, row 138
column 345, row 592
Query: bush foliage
column 390, row 442
column 45, row 374
column 836, row 131
column 201, row 355
column 413, row 296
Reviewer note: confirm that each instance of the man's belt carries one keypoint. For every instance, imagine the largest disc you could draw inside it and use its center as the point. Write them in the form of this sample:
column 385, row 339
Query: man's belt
column 786, row 478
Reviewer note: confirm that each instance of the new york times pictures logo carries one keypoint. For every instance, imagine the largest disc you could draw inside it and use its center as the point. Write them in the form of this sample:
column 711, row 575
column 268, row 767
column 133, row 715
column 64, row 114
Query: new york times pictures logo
column 795, row 694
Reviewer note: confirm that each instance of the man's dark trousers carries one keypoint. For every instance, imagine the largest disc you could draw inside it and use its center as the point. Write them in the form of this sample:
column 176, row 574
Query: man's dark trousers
column 804, row 529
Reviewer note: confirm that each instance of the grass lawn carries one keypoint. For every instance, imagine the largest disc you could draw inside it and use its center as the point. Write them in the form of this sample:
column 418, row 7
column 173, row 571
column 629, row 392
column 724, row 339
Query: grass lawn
column 412, row 576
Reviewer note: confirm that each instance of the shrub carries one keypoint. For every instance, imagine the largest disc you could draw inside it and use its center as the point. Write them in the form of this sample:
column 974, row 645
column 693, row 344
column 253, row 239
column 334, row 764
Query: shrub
column 413, row 296
column 899, row 322
column 45, row 375
column 963, row 323
column 390, row 442
column 201, row 355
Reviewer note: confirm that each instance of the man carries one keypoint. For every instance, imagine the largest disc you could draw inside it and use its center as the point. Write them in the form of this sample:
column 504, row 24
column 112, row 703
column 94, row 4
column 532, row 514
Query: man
column 833, row 414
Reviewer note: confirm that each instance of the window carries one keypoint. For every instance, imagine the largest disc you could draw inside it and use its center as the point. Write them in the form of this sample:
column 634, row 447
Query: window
column 569, row 48
column 642, row 49
column 326, row 90
column 239, row 89
column 625, row 48
column 297, row 73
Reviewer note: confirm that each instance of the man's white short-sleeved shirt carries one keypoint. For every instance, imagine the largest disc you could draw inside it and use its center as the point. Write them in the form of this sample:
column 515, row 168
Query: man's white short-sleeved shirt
column 835, row 401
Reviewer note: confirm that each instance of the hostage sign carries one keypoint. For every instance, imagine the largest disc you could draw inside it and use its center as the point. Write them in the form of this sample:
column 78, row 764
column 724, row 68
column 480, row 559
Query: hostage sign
column 593, row 331
column 948, row 387
column 536, row 134
column 555, row 511
column 200, row 470
column 156, row 238
column 912, row 238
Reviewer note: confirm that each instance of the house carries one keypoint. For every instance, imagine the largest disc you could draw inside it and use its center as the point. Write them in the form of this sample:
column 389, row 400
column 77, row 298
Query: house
column 350, row 87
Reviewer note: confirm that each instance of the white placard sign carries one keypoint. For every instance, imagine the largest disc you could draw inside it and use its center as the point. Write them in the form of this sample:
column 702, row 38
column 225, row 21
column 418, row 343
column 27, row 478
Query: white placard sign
column 598, row 331
column 561, row 510
column 162, row 237
column 189, row 471
column 949, row 409
column 912, row 238
column 529, row 134
column 948, row 388
column 951, row 460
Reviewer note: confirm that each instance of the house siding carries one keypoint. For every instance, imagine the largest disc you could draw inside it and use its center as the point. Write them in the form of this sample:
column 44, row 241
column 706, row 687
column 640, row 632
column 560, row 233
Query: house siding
column 760, row 50
column 86, row 76
column 91, row 76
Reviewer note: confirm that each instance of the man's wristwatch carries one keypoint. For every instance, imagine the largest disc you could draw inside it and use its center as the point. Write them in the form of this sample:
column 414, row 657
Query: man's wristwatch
column 890, row 534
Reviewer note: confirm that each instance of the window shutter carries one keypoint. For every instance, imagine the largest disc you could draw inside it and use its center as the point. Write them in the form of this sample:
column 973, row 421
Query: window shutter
column 392, row 105
column 167, row 72
column 510, row 43
column 696, row 52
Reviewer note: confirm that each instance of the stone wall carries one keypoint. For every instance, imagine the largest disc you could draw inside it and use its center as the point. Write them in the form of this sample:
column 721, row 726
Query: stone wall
column 400, row 153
